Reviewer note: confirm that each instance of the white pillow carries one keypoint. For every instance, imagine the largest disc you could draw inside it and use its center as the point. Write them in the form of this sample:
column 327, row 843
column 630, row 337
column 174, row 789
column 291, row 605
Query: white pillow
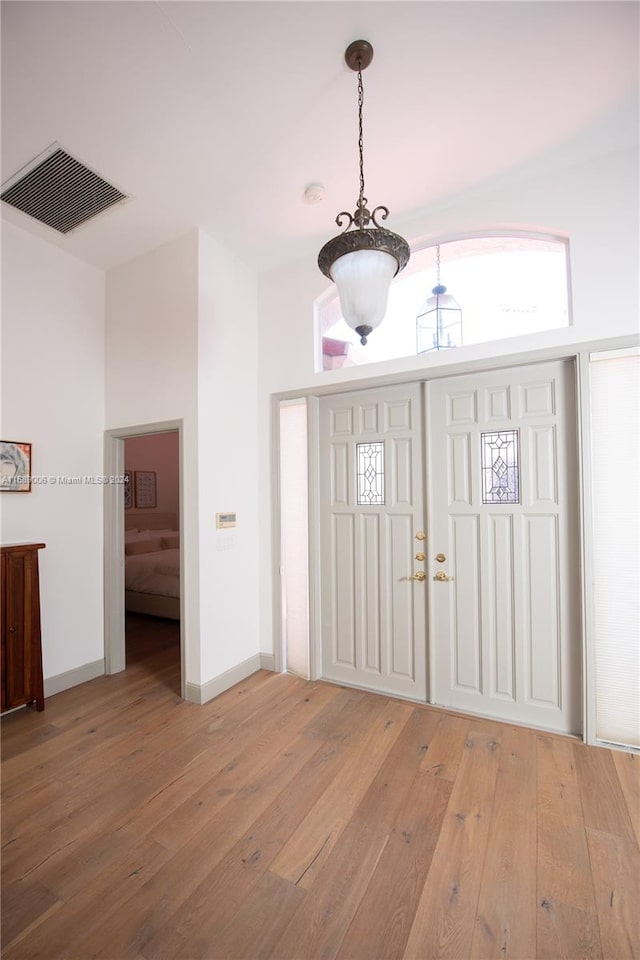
column 131, row 536
column 142, row 546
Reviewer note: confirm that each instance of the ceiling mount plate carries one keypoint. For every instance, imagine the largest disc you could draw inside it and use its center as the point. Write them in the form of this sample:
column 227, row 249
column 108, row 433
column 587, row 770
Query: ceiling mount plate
column 358, row 55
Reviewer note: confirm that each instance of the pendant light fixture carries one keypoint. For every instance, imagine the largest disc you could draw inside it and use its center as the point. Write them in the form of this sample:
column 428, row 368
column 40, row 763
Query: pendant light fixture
column 439, row 322
column 362, row 262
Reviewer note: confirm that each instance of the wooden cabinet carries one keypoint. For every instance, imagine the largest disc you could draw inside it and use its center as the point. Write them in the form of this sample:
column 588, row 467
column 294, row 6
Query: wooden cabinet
column 21, row 680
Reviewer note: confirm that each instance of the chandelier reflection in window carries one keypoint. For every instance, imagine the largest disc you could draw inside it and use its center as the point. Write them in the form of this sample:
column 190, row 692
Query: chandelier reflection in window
column 439, row 320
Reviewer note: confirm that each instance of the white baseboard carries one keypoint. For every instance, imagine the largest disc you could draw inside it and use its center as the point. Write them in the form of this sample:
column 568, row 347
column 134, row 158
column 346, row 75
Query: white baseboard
column 193, row 692
column 267, row 662
column 71, row 678
column 213, row 688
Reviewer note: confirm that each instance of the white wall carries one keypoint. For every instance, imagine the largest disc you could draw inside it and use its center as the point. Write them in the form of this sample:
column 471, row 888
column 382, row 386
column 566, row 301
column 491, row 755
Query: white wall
column 151, row 377
column 227, row 458
column 595, row 204
column 52, row 397
column 182, row 344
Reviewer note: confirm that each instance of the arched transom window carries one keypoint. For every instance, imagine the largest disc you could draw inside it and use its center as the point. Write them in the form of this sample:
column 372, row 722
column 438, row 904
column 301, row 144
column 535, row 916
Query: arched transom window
column 506, row 286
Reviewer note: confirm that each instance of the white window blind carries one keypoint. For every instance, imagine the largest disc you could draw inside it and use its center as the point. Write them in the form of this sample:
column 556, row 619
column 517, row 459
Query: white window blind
column 615, row 425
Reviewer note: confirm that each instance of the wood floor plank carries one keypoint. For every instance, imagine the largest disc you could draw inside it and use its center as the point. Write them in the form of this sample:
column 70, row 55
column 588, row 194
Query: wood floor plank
column 447, row 747
column 383, row 920
column 628, row 769
column 16, row 816
column 30, row 770
column 18, row 739
column 329, row 727
column 111, row 890
column 311, row 845
column 567, row 925
column 505, row 924
column 255, row 929
column 444, row 922
column 319, row 925
column 385, row 797
column 616, row 878
column 23, row 903
column 604, row 810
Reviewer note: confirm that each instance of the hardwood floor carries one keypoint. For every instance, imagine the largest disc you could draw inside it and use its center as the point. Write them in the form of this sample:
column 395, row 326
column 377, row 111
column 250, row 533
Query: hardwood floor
column 289, row 819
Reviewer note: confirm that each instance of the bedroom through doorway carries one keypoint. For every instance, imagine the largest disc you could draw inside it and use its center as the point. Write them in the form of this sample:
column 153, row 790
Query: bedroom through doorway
column 152, row 552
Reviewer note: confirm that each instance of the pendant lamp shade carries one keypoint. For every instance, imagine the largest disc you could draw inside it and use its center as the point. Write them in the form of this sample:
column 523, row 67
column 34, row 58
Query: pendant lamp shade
column 363, row 279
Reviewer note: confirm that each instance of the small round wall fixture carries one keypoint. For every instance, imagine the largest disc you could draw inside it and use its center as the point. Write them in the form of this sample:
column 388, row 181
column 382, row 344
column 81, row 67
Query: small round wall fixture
column 363, row 261
column 314, row 193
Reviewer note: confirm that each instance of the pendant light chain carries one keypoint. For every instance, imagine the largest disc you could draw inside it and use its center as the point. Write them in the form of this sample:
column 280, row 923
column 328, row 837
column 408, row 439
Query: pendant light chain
column 361, row 200
column 438, row 265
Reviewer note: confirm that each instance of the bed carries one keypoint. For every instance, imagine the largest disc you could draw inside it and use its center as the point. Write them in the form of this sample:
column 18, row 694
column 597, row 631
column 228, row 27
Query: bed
column 152, row 564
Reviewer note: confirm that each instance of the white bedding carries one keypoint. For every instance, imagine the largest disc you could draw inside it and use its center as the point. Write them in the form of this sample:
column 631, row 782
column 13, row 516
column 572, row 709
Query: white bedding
column 154, row 573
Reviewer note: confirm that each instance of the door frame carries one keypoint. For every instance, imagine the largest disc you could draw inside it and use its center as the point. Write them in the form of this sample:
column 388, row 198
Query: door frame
column 114, row 610
column 344, row 380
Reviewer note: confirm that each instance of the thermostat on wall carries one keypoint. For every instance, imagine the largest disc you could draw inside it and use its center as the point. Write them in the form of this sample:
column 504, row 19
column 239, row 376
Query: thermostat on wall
column 225, row 520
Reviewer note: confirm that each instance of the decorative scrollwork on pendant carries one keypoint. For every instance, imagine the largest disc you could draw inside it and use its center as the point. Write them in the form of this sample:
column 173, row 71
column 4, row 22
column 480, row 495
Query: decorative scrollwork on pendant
column 360, row 216
column 383, row 215
column 340, row 221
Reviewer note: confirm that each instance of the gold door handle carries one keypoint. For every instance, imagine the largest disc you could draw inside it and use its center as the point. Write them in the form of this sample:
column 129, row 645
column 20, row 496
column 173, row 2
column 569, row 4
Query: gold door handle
column 420, row 575
column 441, row 575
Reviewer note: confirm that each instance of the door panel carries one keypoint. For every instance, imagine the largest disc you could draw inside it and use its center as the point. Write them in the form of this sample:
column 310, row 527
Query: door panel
column 373, row 617
column 343, row 610
column 465, row 609
column 500, row 610
column 505, row 631
column 541, row 624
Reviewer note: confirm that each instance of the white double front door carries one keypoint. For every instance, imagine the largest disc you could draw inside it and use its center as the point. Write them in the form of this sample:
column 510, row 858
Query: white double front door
column 493, row 628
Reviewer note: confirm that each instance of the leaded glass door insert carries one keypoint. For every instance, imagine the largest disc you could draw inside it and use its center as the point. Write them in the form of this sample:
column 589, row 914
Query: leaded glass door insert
column 370, row 473
column 500, row 467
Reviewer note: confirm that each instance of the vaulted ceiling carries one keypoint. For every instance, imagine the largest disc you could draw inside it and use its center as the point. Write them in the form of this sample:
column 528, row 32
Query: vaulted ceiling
column 218, row 114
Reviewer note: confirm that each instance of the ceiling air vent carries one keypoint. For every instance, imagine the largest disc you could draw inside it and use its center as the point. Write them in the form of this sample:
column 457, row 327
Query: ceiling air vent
column 61, row 192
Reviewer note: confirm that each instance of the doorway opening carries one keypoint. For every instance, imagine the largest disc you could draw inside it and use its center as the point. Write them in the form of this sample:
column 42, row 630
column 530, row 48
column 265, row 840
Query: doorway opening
column 144, row 588
column 152, row 551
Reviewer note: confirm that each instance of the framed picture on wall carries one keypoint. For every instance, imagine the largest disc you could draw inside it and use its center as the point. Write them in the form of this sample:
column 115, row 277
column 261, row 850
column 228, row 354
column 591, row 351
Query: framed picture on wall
column 128, row 489
column 145, row 488
column 15, row 466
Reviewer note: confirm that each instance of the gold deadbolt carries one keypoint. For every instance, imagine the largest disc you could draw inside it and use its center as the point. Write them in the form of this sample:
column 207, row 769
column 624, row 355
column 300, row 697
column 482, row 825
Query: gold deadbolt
column 419, row 556
column 440, row 557
column 419, row 535
column 419, row 575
